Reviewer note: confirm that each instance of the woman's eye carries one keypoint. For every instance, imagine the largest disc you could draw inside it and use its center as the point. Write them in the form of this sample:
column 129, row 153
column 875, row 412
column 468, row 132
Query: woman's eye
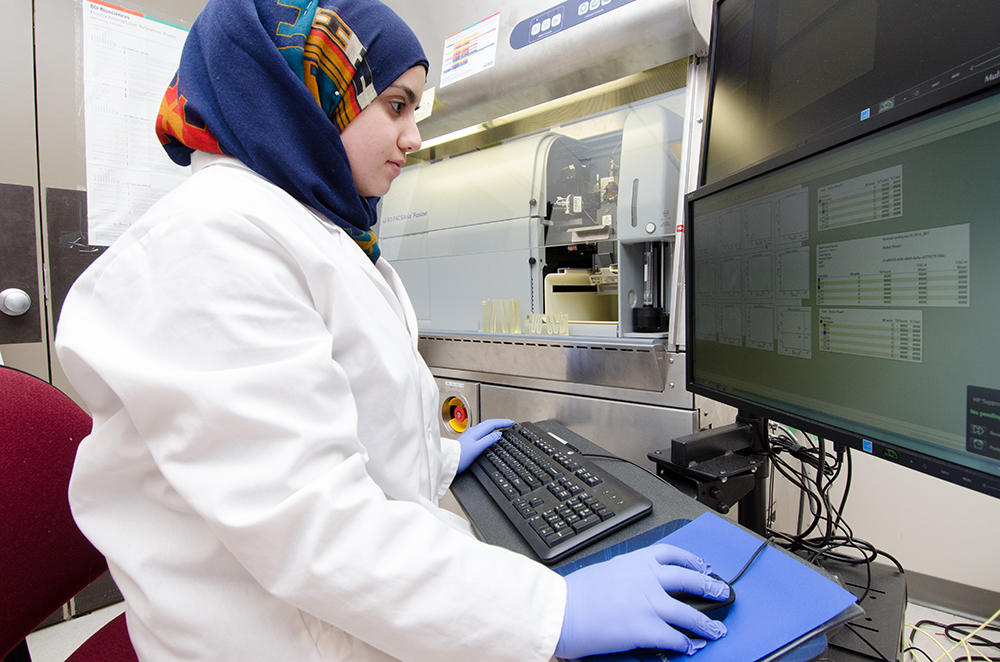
column 397, row 106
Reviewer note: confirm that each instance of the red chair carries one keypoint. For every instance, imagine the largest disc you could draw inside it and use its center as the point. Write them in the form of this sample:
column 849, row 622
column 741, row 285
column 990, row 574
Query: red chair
column 46, row 560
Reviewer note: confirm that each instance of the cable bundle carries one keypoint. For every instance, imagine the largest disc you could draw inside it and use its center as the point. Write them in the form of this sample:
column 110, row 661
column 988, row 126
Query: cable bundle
column 965, row 635
column 828, row 536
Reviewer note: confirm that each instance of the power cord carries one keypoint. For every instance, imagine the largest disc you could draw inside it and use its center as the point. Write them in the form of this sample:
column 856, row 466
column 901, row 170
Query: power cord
column 601, row 456
column 969, row 641
column 827, row 535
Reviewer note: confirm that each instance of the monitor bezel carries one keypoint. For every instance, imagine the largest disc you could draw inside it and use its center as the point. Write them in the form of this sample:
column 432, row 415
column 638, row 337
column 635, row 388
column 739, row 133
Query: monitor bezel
column 916, row 108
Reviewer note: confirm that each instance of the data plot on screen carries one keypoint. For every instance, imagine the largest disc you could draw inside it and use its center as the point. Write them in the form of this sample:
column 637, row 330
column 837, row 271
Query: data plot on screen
column 760, row 275
column 793, row 272
column 792, row 222
column 731, row 237
column 708, row 322
column 731, row 330
column 760, row 327
column 731, row 272
column 707, row 278
column 794, row 327
column 757, row 226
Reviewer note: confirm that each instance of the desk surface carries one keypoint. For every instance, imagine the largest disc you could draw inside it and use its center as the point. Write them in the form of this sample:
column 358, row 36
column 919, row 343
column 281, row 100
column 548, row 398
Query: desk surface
column 669, row 504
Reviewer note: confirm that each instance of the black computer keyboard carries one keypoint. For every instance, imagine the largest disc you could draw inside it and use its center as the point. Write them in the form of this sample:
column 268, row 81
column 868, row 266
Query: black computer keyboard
column 557, row 500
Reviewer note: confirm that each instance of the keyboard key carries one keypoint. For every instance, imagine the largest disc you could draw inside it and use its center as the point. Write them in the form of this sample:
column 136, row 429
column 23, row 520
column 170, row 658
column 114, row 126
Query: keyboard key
column 586, row 523
column 556, row 537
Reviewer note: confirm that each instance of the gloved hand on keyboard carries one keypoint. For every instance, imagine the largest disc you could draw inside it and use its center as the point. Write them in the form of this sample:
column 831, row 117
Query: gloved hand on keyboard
column 478, row 438
column 622, row 603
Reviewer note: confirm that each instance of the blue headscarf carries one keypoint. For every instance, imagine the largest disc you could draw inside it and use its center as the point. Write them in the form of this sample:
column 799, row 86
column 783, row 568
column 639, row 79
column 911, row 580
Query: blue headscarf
column 273, row 82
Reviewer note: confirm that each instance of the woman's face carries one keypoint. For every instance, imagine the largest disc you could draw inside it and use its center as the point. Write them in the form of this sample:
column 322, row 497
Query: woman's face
column 378, row 139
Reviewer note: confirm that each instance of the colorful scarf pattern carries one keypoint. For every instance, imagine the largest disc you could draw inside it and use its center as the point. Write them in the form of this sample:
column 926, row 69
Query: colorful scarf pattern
column 273, row 82
column 332, row 63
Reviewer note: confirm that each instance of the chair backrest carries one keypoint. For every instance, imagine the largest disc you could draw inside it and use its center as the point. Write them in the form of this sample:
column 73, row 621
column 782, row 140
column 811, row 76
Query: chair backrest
column 44, row 559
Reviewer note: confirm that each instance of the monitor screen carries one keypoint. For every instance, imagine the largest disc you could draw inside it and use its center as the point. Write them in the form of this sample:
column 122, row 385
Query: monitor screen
column 855, row 293
column 793, row 77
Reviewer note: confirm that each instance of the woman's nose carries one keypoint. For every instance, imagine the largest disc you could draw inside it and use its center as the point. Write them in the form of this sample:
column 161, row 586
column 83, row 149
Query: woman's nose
column 409, row 140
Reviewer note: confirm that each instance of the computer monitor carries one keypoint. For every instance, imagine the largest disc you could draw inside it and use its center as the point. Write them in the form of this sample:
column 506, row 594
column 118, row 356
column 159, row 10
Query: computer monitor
column 855, row 293
column 792, row 77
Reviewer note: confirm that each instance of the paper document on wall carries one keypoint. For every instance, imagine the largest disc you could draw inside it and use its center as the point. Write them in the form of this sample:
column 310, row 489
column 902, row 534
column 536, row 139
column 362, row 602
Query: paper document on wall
column 128, row 62
column 470, row 51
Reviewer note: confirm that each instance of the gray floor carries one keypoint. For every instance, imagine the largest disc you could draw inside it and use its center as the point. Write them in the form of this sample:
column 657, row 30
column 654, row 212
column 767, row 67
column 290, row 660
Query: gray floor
column 54, row 644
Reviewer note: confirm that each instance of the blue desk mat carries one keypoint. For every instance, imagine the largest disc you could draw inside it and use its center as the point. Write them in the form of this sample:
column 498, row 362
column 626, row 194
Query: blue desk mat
column 778, row 599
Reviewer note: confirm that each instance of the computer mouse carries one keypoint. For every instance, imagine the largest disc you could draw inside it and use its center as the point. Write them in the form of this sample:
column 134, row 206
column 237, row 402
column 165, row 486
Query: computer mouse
column 714, row 609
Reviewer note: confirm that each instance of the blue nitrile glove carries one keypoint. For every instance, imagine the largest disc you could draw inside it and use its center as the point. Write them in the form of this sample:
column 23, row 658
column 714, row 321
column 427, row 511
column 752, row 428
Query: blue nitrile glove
column 622, row 603
column 478, row 438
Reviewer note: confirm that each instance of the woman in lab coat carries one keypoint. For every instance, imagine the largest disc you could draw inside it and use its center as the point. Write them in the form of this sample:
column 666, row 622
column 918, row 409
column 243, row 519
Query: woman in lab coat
column 265, row 466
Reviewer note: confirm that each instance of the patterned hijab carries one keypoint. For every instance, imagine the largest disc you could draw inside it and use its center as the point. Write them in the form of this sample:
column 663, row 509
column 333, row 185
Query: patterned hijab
column 273, row 82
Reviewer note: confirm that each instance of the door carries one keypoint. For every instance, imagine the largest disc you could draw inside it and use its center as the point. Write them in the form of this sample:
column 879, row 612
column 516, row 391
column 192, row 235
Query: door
column 23, row 332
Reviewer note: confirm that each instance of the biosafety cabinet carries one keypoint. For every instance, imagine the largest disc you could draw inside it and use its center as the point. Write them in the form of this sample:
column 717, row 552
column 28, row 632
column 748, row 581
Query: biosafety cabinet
column 546, row 275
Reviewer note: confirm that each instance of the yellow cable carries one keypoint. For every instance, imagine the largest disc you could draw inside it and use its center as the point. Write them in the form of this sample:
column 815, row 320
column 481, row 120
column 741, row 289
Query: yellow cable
column 932, row 638
column 980, row 653
column 964, row 641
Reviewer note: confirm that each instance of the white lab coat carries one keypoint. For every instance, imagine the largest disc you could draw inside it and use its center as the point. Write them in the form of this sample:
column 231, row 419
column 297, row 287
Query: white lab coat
column 265, row 465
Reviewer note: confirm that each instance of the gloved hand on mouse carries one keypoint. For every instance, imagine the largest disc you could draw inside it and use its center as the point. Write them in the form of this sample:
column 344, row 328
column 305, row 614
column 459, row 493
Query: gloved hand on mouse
column 478, row 438
column 622, row 603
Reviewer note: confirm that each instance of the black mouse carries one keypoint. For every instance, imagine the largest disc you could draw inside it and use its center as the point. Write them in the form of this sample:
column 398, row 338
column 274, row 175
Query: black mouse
column 714, row 609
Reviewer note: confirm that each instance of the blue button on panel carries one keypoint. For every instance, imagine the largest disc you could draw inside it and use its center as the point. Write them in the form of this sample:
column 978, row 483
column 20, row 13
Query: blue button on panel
column 557, row 18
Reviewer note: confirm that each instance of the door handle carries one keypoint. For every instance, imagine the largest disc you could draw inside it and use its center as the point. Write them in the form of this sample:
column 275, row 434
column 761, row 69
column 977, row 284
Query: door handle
column 14, row 302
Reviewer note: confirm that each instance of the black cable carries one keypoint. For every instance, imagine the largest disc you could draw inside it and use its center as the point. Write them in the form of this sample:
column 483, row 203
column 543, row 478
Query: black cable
column 799, row 481
column 909, row 649
column 823, row 491
column 953, row 631
column 977, row 639
column 751, row 560
column 847, row 481
column 615, row 457
column 827, row 536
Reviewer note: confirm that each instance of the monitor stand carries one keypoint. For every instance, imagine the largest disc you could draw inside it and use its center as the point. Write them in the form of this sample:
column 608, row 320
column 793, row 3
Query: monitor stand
column 722, row 467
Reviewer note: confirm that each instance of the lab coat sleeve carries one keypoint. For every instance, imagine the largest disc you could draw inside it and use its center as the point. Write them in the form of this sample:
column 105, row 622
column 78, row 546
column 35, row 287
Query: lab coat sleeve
column 451, row 451
column 220, row 359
